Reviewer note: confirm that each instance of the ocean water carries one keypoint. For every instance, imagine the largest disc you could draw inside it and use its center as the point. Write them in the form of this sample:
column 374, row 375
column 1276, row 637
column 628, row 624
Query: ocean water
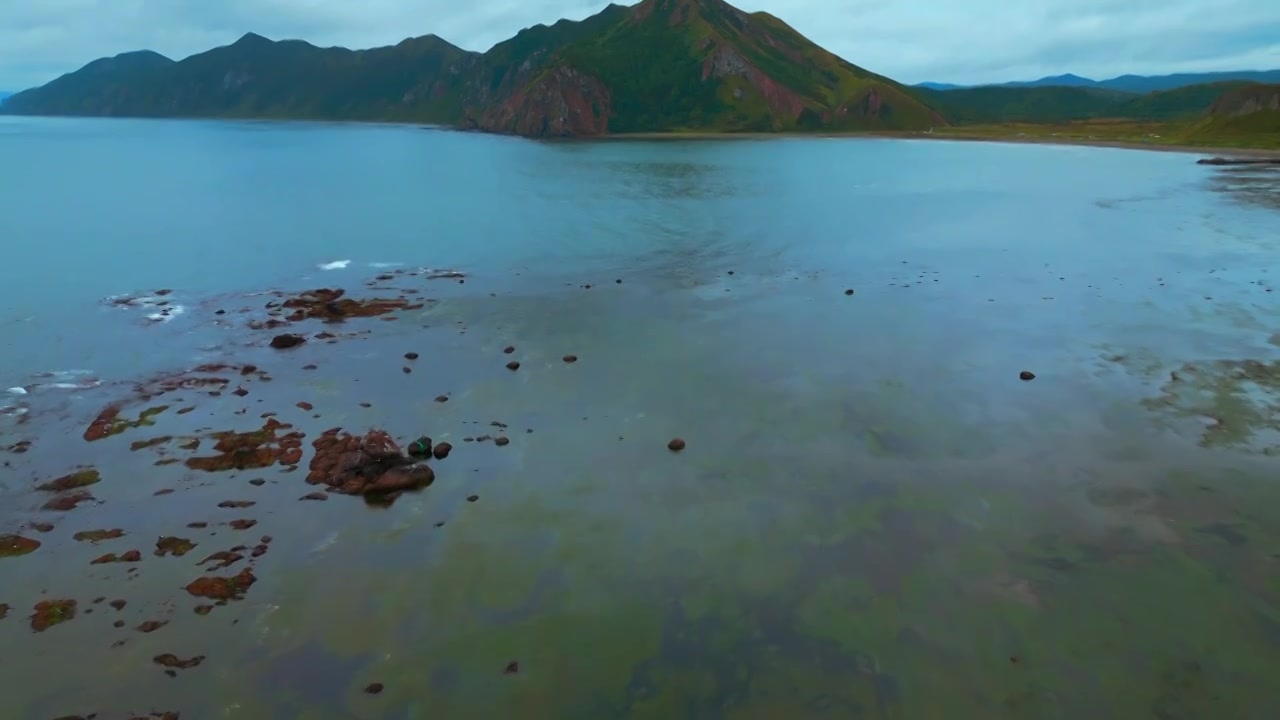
column 873, row 517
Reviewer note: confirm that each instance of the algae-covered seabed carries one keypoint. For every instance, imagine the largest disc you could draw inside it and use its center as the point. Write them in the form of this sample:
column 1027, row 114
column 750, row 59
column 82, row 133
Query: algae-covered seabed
column 874, row 517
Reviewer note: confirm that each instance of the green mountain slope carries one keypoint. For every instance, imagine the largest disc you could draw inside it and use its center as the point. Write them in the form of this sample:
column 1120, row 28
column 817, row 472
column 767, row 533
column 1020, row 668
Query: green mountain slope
column 1056, row 104
column 1248, row 115
column 661, row 65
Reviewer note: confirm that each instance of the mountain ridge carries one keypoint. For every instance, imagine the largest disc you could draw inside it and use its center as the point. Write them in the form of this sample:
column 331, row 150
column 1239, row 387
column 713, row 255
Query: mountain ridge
column 657, row 66
column 1125, row 83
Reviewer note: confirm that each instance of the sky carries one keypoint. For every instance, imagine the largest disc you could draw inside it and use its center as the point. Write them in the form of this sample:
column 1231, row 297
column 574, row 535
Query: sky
column 958, row 41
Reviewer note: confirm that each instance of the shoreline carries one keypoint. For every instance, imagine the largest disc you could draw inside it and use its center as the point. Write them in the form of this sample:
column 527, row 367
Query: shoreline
column 893, row 135
column 1252, row 153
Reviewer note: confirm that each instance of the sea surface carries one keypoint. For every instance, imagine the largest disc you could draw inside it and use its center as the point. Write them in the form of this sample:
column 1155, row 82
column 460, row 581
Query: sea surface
column 873, row 515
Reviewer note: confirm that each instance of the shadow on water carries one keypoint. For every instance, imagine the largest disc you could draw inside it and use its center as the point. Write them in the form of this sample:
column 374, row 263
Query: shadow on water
column 873, row 517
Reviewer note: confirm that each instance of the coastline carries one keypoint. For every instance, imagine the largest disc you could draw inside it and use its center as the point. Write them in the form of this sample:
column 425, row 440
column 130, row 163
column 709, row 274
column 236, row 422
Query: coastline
column 1225, row 151
column 1267, row 153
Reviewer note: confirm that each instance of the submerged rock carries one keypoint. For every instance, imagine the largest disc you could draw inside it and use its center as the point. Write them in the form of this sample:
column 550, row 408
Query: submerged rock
column 332, row 305
column 110, row 422
column 176, row 546
column 52, row 612
column 222, row 588
column 78, row 479
column 66, row 503
column 1026, row 375
column 372, row 465
column 676, row 445
column 252, row 450
column 16, row 545
column 286, row 341
column 95, row 536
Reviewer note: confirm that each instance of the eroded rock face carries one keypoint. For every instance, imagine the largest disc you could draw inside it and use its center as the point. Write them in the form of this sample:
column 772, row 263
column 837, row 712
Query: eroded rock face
column 564, row 102
column 371, row 465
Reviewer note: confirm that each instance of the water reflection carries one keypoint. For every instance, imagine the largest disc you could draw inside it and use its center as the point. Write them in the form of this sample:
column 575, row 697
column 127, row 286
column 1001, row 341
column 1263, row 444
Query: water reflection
column 874, row 516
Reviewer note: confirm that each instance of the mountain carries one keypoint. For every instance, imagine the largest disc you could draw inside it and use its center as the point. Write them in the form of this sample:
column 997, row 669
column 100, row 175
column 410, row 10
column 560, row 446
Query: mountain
column 1056, row 104
column 1247, row 111
column 658, row 66
column 1130, row 83
column 4, row 94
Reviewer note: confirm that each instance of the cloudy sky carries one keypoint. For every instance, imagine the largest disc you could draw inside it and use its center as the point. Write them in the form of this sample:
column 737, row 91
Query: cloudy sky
column 961, row 41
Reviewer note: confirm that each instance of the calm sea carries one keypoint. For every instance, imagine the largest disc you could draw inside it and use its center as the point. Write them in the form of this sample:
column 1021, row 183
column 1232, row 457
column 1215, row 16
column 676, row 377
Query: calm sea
column 874, row 516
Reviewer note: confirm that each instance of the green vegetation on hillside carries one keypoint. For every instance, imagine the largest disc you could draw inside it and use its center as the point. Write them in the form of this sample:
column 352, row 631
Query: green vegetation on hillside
column 652, row 60
column 673, row 66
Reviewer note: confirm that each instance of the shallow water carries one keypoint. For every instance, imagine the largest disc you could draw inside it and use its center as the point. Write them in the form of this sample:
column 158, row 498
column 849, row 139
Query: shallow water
column 874, row 517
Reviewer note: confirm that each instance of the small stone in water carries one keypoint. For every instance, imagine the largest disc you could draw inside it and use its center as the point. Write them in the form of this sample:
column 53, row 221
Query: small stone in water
column 676, row 445
column 1026, row 375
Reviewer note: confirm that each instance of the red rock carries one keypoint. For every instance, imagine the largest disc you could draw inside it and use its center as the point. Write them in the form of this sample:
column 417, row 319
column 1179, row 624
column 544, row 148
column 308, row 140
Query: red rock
column 242, row 524
column 570, row 358
column 95, row 536
column 372, row 465
column 501, row 440
column 251, row 450
column 306, row 406
column 72, row 481
column 52, row 612
column 218, row 588
column 331, row 305
column 223, row 559
column 441, row 451
column 676, row 445
column 152, row 625
column 509, row 349
column 170, row 545
column 1026, row 375
column 513, row 365
column 15, row 545
column 170, row 660
column 118, row 604
column 236, row 503
column 64, row 503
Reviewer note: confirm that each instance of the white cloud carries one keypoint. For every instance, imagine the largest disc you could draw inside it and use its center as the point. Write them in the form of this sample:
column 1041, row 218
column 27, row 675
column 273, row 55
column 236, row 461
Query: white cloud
column 910, row 40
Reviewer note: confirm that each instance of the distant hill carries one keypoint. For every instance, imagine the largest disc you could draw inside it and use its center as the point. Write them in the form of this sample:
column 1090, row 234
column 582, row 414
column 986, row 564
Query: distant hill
column 660, row 65
column 1056, row 104
column 1130, row 83
column 4, row 94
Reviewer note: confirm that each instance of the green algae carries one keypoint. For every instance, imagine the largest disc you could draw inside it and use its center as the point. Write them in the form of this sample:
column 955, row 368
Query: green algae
column 17, row 545
column 52, row 612
column 96, row 536
column 176, row 546
column 72, row 481
column 1234, row 399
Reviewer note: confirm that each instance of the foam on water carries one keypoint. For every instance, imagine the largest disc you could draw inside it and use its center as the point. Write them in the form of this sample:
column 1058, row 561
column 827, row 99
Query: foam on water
column 167, row 314
column 334, row 265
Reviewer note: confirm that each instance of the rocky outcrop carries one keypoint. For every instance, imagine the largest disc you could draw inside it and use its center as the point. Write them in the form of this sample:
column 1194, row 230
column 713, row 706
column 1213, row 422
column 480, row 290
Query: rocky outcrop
column 727, row 61
column 1247, row 100
column 561, row 102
